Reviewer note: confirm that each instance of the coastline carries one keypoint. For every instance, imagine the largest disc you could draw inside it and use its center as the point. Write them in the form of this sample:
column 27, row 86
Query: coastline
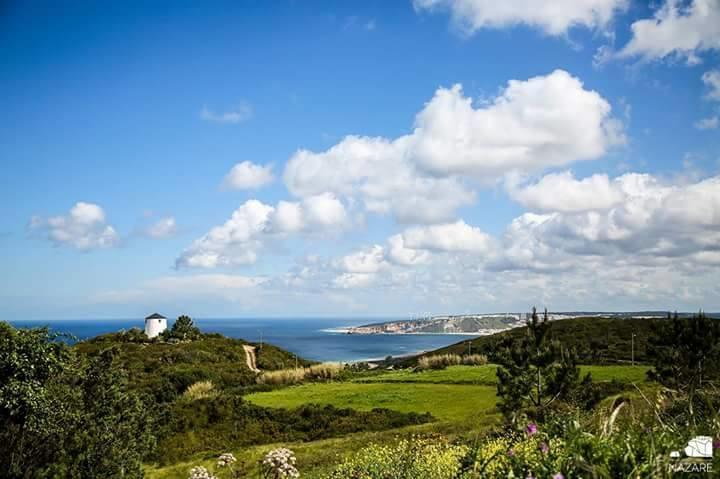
column 353, row 331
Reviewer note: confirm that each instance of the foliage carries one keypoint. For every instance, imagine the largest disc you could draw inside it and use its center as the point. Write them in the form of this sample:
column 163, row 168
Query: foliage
column 228, row 421
column 534, row 371
column 199, row 390
column 56, row 411
column 420, row 458
column 165, row 371
column 324, row 371
column 686, row 352
column 595, row 340
column 183, row 329
column 442, row 361
column 627, row 439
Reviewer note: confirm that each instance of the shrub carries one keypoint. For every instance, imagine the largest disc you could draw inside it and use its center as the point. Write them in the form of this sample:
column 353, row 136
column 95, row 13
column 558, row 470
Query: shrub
column 324, row 371
column 419, row 458
column 440, row 361
column 475, row 360
column 199, row 390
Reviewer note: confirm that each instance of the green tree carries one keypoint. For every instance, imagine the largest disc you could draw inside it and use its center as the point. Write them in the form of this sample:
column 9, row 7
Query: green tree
column 685, row 352
column 534, row 371
column 184, row 329
column 64, row 416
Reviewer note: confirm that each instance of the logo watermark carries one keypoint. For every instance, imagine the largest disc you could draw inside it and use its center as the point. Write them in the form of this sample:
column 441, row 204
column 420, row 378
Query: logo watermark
column 698, row 456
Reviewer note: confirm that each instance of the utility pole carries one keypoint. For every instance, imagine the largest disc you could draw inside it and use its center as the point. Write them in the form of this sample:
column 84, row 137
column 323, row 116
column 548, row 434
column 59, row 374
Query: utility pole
column 632, row 349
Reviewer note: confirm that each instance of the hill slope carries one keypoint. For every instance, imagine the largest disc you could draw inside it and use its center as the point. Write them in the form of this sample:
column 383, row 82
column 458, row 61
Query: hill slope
column 597, row 340
column 165, row 370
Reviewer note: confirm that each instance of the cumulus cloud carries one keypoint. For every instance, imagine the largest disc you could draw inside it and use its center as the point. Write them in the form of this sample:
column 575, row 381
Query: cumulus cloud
column 84, row 228
column 562, row 192
column 238, row 241
column 545, row 121
column 162, row 228
column 455, row 237
column 654, row 220
column 242, row 113
column 554, row 18
column 678, row 29
column 247, row 175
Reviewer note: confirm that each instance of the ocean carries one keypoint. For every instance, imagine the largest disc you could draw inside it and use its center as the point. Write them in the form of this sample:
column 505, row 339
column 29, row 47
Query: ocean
column 308, row 338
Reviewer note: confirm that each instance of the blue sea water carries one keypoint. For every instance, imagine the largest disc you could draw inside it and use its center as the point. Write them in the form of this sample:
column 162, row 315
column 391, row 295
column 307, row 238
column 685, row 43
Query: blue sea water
column 305, row 337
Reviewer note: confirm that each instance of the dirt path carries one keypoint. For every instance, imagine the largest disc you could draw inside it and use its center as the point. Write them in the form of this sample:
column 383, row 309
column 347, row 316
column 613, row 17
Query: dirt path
column 250, row 358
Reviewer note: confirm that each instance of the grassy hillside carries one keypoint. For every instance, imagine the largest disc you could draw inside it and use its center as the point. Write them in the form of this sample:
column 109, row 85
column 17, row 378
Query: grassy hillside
column 485, row 375
column 165, row 370
column 597, row 340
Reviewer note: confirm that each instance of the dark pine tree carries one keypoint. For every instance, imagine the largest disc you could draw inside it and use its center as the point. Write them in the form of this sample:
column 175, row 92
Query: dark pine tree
column 184, row 329
column 534, row 371
column 686, row 352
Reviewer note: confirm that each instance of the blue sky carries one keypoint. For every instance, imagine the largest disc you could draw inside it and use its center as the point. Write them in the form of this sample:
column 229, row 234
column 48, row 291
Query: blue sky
column 315, row 158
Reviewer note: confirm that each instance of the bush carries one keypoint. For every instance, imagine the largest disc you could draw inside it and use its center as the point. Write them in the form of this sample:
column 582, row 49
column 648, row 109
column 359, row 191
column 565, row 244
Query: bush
column 419, row 458
column 199, row 390
column 475, row 360
column 323, row 372
column 440, row 361
column 226, row 422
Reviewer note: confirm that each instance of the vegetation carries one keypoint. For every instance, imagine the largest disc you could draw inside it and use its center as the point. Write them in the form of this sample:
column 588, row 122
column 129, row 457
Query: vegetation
column 166, row 370
column 686, row 353
column 535, row 371
column 56, row 409
column 447, row 402
column 442, row 361
column 181, row 403
column 595, row 340
column 487, row 375
column 427, row 458
column 183, row 330
column 228, row 422
column 319, row 372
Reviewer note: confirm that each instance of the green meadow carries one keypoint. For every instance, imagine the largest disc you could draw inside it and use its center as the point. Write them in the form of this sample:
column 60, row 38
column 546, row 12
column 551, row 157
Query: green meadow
column 460, row 398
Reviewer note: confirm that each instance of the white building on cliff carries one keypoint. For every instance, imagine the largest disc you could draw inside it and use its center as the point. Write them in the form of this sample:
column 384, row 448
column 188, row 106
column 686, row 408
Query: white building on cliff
column 154, row 325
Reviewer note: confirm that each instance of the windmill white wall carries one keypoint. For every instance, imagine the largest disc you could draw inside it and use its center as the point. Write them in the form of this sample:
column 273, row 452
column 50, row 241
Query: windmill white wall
column 154, row 325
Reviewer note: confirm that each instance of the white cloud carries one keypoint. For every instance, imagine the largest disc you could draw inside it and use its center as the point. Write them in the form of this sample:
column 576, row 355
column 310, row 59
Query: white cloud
column 709, row 123
column 654, row 220
column 84, row 228
column 712, row 80
column 562, row 192
column 242, row 113
column 370, row 260
column 678, row 28
column 247, row 175
column 162, row 228
column 554, row 17
column 422, row 177
column 239, row 240
column 455, row 237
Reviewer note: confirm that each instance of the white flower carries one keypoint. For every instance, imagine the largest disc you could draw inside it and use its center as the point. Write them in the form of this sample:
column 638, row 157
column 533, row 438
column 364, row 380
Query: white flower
column 199, row 472
column 226, row 459
column 280, row 464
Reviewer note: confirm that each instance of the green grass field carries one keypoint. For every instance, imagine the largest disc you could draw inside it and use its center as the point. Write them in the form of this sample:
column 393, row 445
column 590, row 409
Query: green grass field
column 461, row 398
column 446, row 402
column 485, row 375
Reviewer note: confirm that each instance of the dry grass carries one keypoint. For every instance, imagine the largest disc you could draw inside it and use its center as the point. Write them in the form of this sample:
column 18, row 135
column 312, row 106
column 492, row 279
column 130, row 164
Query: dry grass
column 322, row 372
column 199, row 390
column 442, row 361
